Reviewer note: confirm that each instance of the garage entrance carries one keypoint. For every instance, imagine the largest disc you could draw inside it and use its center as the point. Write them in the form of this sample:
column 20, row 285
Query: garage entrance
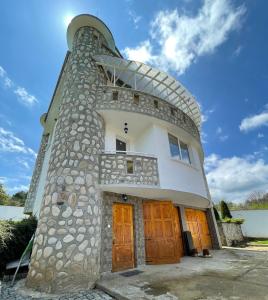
column 198, row 225
column 163, row 240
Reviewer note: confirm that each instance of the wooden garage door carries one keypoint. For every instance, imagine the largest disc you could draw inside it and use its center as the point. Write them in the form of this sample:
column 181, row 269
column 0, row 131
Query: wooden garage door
column 123, row 241
column 198, row 225
column 163, row 241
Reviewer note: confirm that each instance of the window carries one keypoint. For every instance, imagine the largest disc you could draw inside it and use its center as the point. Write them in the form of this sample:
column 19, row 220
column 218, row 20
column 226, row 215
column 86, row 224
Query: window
column 136, row 99
column 184, row 152
column 121, row 146
column 172, row 111
column 115, row 95
column 178, row 149
column 156, row 104
column 130, row 167
column 174, row 146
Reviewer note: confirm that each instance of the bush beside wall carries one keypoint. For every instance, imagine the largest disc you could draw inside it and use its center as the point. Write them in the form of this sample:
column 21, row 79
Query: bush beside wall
column 14, row 237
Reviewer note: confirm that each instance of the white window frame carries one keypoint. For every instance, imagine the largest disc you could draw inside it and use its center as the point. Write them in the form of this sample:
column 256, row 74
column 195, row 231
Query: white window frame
column 180, row 158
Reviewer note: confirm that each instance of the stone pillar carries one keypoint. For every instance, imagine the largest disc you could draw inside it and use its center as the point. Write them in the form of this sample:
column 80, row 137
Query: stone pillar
column 213, row 229
column 66, row 251
column 28, row 207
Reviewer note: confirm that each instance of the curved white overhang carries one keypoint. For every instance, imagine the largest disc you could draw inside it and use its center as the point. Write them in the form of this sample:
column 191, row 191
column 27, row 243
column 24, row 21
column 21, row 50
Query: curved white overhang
column 91, row 21
column 157, row 193
column 140, row 77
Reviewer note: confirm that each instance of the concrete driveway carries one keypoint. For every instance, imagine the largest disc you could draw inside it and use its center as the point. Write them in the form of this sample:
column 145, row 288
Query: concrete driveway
column 229, row 274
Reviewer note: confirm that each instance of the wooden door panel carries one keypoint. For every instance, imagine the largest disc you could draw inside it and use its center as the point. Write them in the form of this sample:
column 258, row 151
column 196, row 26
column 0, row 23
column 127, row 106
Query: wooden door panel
column 163, row 242
column 123, row 241
column 197, row 224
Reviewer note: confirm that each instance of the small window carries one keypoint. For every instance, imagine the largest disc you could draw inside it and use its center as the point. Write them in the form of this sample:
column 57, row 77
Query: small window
column 121, row 146
column 130, row 167
column 115, row 95
column 184, row 152
column 156, row 104
column 174, row 146
column 172, row 111
column 136, row 99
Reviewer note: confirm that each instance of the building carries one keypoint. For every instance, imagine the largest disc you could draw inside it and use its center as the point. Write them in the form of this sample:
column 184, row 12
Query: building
column 119, row 174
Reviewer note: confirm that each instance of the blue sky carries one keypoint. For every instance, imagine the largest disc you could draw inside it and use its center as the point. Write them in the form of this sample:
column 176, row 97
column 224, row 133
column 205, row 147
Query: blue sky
column 216, row 48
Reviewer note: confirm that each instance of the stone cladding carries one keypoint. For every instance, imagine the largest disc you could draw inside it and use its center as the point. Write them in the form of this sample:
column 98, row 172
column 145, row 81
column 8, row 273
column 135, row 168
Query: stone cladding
column 148, row 105
column 66, row 250
column 107, row 229
column 28, row 208
column 113, row 169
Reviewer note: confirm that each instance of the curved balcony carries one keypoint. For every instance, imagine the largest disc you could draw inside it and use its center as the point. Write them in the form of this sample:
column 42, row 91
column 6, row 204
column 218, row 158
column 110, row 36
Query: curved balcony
column 144, row 104
column 128, row 168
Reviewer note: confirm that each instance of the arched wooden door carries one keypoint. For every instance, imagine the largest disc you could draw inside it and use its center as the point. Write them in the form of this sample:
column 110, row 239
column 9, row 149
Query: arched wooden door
column 163, row 241
column 198, row 225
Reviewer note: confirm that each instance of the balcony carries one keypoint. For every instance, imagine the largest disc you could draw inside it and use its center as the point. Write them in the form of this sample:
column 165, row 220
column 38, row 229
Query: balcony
column 128, row 168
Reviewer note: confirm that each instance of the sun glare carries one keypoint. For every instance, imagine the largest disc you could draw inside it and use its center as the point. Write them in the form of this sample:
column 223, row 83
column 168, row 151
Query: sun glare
column 67, row 19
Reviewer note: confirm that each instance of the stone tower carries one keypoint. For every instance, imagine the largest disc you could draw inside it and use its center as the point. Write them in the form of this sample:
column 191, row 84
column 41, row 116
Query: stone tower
column 66, row 251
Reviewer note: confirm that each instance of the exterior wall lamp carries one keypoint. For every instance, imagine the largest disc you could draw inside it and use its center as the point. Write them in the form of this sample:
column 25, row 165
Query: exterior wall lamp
column 124, row 197
column 126, row 128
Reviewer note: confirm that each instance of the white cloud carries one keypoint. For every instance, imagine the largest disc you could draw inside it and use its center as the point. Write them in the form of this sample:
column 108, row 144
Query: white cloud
column 260, row 135
column 10, row 143
column 180, row 39
column 206, row 114
column 222, row 137
column 237, row 51
column 135, row 18
column 234, row 178
column 254, row 122
column 23, row 95
column 142, row 53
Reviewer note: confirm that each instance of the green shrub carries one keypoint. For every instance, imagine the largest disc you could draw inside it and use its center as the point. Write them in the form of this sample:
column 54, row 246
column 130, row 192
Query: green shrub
column 225, row 212
column 16, row 236
column 5, row 233
column 233, row 220
column 217, row 216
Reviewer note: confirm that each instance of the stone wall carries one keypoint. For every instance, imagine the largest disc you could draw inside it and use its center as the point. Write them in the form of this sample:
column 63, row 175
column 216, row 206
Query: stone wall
column 66, row 250
column 29, row 204
column 146, row 106
column 212, row 229
column 113, row 169
column 230, row 233
column 107, row 230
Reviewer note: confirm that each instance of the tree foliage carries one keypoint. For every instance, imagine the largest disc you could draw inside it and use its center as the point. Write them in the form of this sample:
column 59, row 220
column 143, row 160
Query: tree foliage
column 14, row 237
column 225, row 212
column 18, row 199
column 217, row 216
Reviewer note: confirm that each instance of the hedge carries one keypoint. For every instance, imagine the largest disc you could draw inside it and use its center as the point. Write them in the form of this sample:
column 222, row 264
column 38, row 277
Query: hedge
column 14, row 237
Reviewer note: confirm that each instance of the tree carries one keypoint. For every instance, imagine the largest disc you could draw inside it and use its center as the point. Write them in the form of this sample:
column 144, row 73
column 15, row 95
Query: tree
column 217, row 216
column 3, row 195
column 19, row 198
column 225, row 212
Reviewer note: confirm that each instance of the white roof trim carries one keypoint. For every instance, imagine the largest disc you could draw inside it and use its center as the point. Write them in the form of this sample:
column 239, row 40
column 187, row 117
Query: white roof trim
column 152, row 81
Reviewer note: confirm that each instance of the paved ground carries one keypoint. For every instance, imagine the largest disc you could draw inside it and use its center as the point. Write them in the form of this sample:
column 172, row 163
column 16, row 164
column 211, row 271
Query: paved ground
column 18, row 292
column 232, row 274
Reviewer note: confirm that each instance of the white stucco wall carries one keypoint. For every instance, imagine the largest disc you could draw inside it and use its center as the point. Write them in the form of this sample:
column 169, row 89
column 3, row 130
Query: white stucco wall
column 14, row 213
column 256, row 222
column 42, row 180
column 173, row 174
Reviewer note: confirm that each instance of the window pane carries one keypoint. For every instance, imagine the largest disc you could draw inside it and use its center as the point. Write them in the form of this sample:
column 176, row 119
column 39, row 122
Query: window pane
column 173, row 145
column 120, row 146
column 130, row 167
column 185, row 152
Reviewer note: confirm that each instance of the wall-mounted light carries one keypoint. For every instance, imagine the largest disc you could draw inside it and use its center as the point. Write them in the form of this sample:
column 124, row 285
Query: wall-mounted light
column 124, row 197
column 126, row 128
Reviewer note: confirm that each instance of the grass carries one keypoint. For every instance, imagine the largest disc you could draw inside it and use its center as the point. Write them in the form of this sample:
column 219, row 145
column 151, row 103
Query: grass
column 262, row 242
